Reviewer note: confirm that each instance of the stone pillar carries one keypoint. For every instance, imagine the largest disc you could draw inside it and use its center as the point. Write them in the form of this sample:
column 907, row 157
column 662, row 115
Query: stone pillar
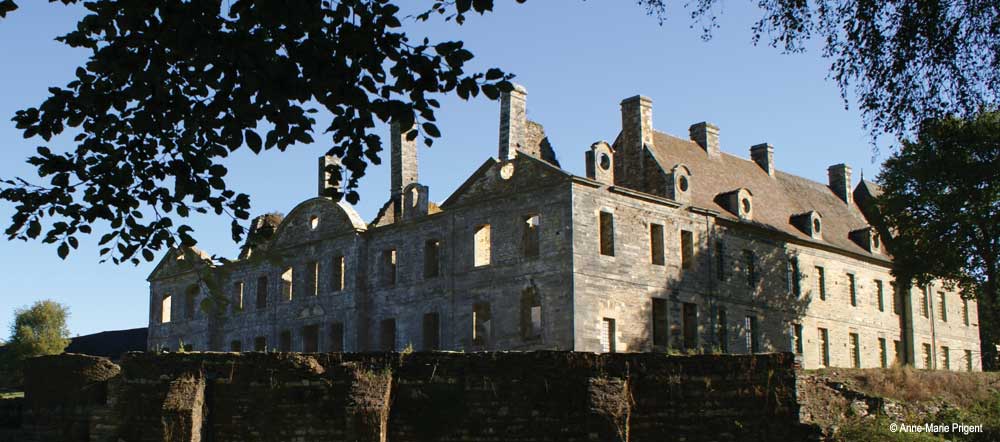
column 323, row 179
column 637, row 132
column 763, row 155
column 840, row 181
column 403, row 161
column 707, row 136
column 513, row 122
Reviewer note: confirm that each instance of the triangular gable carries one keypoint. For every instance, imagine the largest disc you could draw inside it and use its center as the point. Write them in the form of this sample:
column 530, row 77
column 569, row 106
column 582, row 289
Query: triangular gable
column 177, row 261
column 494, row 179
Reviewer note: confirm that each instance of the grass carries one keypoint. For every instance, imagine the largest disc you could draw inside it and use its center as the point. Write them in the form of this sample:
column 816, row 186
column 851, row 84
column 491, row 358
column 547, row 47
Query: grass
column 905, row 383
column 11, row 395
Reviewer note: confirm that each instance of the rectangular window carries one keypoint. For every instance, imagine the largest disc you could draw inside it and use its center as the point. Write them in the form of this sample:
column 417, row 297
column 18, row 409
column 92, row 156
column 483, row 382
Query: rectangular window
column 883, row 353
column 942, row 307
column 852, row 289
column 794, row 277
column 687, row 249
column 946, row 358
column 656, row 255
column 337, row 274
column 482, row 246
column 286, row 284
column 261, row 293
column 821, row 282
column 720, row 260
column 855, row 343
column 928, row 359
column 690, row 325
column 432, row 258
column 968, row 360
column 750, row 264
column 312, row 278
column 482, row 323
column 924, row 310
column 753, row 344
column 880, row 295
column 824, row 347
column 190, row 301
column 389, row 267
column 235, row 346
column 165, row 309
column 285, row 341
column 608, row 335
column 897, row 301
column 606, row 231
column 310, row 339
column 797, row 338
column 531, row 314
column 388, row 334
column 897, row 351
column 965, row 312
column 260, row 343
column 530, row 237
column 660, row 325
column 723, row 331
column 432, row 332
column 238, row 297
column 336, row 337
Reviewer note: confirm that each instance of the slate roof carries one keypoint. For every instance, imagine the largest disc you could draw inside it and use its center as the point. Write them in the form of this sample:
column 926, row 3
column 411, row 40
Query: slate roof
column 775, row 200
column 109, row 344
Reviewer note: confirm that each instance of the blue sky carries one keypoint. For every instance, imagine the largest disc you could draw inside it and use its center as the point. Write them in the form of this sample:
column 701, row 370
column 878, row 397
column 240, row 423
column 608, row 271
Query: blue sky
column 577, row 59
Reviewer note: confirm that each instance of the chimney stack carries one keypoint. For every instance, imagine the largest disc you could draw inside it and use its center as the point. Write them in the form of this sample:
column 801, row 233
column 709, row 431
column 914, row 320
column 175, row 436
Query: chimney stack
column 325, row 187
column 840, row 181
column 403, row 161
column 637, row 132
column 707, row 136
column 513, row 122
column 763, row 155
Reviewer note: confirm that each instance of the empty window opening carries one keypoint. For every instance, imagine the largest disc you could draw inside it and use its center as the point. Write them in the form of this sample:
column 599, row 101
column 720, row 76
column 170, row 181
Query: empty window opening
column 883, row 353
column 753, row 341
column 530, row 237
column 336, row 343
column 942, row 307
column 690, row 325
column 481, row 246
column 687, row 249
column 821, row 282
column 337, row 274
column 965, row 311
column 238, row 297
column 897, row 351
column 286, row 284
column 854, row 342
column 313, row 222
column 260, row 343
column 928, row 359
column 880, row 295
column 723, row 331
column 606, row 231
column 310, row 339
column 897, row 301
column 794, row 277
column 165, row 309
column 824, row 347
column 946, row 358
column 531, row 314
column 285, row 341
column 432, row 258
column 660, row 325
column 236, row 346
column 797, row 338
column 750, row 263
column 482, row 323
column 388, row 334
column 852, row 289
column 608, row 336
column 190, row 302
column 968, row 360
column 432, row 332
column 720, row 260
column 261, row 293
column 656, row 244
column 389, row 267
column 312, row 278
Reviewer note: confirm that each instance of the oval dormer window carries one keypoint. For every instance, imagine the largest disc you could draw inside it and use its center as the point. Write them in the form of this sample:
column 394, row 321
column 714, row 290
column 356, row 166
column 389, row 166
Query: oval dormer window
column 746, row 205
column 605, row 161
column 313, row 222
column 817, row 226
column 683, row 184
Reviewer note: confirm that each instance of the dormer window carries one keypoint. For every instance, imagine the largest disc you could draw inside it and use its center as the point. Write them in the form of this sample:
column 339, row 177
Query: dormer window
column 868, row 239
column 739, row 202
column 810, row 223
column 679, row 184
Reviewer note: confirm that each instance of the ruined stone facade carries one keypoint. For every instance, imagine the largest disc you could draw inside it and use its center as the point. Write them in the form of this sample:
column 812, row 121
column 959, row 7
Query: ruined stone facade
column 667, row 244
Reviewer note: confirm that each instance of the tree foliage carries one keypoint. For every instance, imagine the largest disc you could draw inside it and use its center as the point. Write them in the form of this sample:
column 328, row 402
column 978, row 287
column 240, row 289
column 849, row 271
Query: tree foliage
column 39, row 330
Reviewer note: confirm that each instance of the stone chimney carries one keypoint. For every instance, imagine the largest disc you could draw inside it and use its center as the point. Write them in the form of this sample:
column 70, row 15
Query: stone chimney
column 763, row 155
column 637, row 131
column 840, row 181
column 403, row 160
column 513, row 122
column 325, row 187
column 707, row 136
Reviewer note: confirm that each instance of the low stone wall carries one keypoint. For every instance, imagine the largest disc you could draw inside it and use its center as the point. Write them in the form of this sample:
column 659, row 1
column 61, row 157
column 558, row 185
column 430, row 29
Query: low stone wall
column 532, row 396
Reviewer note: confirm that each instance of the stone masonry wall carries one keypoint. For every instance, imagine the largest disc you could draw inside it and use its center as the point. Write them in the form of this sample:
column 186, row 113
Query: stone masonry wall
column 535, row 396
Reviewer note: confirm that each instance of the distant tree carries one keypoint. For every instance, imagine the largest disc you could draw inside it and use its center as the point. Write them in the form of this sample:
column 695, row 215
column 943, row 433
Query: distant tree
column 173, row 86
column 941, row 201
column 39, row 330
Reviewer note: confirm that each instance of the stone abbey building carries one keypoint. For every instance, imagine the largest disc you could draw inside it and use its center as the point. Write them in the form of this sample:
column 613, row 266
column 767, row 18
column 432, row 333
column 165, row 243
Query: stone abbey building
column 667, row 244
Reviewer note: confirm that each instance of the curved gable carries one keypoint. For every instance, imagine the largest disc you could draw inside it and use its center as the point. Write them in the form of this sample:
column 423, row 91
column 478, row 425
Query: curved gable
column 314, row 219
